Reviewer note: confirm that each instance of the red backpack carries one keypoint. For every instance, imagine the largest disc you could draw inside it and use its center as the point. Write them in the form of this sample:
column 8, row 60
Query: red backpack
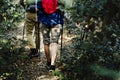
column 50, row 6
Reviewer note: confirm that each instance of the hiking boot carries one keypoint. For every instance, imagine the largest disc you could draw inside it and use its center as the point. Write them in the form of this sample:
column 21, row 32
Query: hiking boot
column 52, row 68
column 48, row 65
column 33, row 53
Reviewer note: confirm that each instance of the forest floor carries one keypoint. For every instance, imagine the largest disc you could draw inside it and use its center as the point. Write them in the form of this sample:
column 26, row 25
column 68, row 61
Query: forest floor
column 34, row 69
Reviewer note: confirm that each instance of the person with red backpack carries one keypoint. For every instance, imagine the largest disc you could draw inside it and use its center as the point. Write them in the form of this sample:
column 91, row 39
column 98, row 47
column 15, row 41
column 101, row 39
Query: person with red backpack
column 51, row 19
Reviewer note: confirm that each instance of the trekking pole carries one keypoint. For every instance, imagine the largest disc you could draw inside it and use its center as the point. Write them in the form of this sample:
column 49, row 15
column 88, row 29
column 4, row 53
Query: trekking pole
column 24, row 23
column 61, row 42
column 23, row 5
column 23, row 32
column 61, row 38
column 37, row 36
column 38, row 31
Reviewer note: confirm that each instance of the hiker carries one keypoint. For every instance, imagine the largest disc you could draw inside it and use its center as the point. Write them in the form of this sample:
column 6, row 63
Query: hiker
column 30, row 24
column 51, row 27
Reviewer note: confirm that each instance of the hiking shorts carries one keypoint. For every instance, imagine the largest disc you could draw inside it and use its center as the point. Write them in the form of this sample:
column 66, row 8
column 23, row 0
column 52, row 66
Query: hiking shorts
column 51, row 34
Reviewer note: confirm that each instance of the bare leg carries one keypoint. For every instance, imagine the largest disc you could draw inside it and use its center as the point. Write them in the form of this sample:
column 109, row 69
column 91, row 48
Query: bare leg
column 47, row 52
column 53, row 52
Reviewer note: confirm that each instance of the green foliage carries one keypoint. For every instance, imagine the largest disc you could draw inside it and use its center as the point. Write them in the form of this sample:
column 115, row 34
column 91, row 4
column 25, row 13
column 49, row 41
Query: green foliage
column 58, row 74
column 10, row 47
column 98, row 58
column 88, row 8
column 103, row 51
column 10, row 58
column 95, row 8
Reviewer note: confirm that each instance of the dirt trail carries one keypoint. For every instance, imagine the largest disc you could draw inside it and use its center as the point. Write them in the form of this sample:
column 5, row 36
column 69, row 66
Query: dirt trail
column 34, row 69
